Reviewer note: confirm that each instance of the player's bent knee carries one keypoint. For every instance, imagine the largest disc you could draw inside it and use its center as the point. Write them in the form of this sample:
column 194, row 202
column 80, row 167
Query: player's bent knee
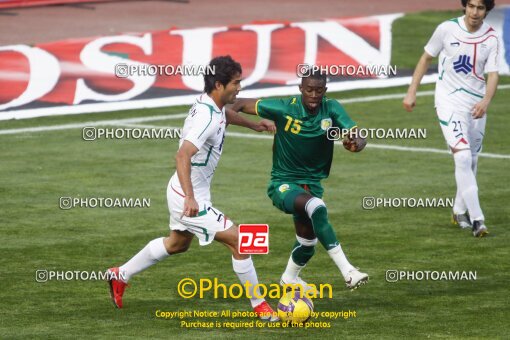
column 228, row 237
column 313, row 204
column 455, row 150
column 175, row 247
column 305, row 242
column 175, row 250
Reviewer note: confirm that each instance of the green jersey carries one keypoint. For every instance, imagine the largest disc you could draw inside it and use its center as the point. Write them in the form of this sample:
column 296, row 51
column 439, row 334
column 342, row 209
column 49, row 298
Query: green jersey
column 302, row 153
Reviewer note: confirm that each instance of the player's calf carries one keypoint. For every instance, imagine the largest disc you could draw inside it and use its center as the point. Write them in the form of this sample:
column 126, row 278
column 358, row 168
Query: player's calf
column 318, row 213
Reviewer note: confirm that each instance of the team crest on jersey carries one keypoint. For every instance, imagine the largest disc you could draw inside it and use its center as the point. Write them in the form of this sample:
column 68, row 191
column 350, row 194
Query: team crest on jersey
column 326, row 123
column 283, row 188
column 463, row 64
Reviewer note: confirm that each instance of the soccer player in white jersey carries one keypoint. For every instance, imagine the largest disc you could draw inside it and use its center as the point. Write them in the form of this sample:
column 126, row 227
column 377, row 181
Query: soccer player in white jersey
column 188, row 191
column 467, row 48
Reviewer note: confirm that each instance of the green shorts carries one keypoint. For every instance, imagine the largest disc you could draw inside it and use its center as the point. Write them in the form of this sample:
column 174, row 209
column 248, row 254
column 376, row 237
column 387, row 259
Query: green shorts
column 283, row 194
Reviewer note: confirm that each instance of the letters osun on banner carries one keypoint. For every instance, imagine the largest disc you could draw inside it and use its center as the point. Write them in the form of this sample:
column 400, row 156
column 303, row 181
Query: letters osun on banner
column 79, row 75
column 165, row 68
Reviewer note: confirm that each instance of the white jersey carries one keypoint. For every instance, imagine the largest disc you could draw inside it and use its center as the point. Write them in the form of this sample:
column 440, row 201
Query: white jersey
column 464, row 57
column 205, row 128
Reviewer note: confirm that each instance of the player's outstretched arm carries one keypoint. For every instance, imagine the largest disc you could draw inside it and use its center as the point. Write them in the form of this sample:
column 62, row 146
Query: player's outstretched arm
column 235, row 118
column 183, row 165
column 409, row 101
column 480, row 108
column 246, row 105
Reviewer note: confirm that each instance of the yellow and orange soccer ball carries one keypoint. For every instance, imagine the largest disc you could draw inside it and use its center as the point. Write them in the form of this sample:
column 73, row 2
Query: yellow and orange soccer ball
column 295, row 307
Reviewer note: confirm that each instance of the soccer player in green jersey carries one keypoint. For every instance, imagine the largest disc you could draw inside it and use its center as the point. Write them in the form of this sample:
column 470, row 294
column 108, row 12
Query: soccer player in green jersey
column 302, row 156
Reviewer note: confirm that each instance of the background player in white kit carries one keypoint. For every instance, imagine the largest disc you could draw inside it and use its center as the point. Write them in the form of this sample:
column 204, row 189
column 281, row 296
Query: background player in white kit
column 188, row 192
column 467, row 48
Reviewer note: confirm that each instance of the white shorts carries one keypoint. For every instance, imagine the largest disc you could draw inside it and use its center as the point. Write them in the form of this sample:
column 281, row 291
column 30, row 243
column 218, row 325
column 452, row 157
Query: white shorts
column 204, row 226
column 461, row 131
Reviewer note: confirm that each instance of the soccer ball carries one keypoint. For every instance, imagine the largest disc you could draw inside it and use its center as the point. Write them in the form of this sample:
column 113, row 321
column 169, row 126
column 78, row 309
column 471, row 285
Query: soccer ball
column 295, row 308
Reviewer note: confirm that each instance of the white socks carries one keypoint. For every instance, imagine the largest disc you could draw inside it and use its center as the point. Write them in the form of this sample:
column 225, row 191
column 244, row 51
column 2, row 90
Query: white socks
column 152, row 253
column 292, row 271
column 467, row 189
column 338, row 256
column 459, row 206
column 246, row 272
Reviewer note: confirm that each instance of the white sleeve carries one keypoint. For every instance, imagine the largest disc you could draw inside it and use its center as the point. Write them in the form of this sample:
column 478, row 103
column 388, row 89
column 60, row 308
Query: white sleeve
column 492, row 64
column 202, row 126
column 435, row 44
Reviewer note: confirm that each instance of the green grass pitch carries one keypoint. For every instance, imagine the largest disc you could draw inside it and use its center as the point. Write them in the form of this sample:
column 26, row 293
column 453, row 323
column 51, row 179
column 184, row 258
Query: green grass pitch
column 37, row 168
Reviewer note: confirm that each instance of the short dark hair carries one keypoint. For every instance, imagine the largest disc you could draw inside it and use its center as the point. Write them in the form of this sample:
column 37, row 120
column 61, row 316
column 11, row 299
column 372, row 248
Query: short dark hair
column 225, row 68
column 489, row 4
column 316, row 73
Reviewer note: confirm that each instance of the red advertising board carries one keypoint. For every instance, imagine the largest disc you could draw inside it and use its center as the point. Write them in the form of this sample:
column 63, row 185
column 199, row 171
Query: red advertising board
column 79, row 72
